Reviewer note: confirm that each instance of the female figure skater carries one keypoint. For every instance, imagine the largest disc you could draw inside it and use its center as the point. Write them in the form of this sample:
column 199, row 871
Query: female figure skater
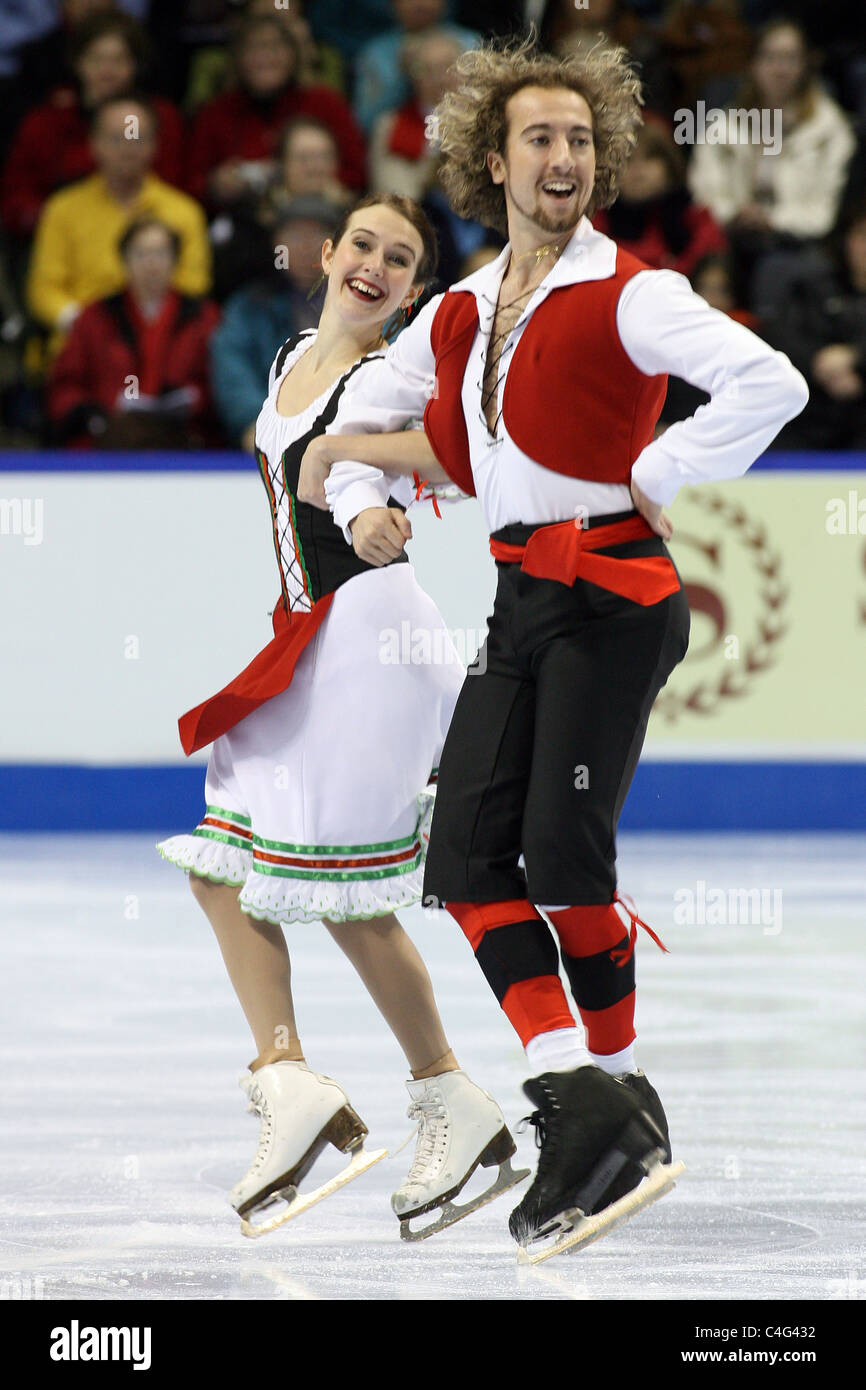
column 321, row 751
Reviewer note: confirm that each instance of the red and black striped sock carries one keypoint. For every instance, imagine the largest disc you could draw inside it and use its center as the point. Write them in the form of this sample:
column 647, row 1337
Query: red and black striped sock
column 598, row 955
column 517, row 953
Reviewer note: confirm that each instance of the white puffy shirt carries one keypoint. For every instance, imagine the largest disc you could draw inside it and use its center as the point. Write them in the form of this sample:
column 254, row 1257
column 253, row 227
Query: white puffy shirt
column 663, row 326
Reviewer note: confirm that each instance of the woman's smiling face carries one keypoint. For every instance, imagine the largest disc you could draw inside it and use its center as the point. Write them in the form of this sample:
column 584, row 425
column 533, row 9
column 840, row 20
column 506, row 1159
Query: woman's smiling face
column 372, row 269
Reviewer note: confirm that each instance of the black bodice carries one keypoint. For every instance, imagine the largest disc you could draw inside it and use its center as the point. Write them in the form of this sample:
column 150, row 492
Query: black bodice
column 312, row 554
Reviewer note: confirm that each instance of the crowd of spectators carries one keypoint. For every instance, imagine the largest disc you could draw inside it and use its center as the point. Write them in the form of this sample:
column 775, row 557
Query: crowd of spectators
column 169, row 170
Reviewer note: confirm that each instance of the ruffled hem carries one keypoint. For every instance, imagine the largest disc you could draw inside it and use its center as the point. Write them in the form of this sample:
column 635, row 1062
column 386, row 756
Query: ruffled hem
column 293, row 901
column 282, row 900
column 208, row 858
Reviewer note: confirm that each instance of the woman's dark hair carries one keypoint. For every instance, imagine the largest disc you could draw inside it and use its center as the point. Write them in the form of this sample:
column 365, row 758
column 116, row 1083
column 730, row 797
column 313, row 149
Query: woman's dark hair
column 127, row 28
column 414, row 214
column 143, row 224
column 806, row 91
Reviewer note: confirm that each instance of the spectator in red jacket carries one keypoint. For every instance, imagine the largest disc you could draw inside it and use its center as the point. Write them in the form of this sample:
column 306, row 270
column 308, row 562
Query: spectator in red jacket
column 235, row 139
column 134, row 371
column 108, row 56
column 654, row 217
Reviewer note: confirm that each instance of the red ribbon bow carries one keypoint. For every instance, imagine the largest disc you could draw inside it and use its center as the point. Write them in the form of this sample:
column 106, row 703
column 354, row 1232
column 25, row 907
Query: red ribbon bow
column 621, row 954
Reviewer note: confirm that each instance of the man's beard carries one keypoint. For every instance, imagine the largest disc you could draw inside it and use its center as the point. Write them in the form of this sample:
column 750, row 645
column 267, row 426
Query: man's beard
column 566, row 221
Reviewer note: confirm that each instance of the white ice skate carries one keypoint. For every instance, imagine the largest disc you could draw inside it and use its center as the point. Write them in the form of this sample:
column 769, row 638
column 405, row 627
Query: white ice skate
column 459, row 1127
column 300, row 1113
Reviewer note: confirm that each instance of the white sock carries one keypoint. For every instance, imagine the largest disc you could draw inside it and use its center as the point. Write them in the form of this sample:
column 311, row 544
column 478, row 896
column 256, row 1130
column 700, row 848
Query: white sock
column 615, row 1063
column 562, row 1049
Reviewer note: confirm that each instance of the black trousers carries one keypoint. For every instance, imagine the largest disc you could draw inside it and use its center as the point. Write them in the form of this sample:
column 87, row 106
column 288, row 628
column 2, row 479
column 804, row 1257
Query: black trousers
column 546, row 736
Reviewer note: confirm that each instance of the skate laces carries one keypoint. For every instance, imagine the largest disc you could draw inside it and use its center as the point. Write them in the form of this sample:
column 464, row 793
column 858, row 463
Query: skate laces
column 536, row 1119
column 247, row 1083
column 620, row 954
column 544, row 1122
column 432, row 1132
column 259, row 1104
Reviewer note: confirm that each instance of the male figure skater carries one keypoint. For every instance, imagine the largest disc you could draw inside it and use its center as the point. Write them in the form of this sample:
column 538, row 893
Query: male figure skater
column 541, row 378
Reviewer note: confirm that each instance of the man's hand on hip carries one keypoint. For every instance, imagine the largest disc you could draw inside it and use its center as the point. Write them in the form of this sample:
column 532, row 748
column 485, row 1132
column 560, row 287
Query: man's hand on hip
column 379, row 534
column 652, row 512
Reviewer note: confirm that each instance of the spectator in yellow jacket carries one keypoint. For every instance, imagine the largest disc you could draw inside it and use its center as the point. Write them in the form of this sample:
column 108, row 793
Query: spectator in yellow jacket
column 75, row 259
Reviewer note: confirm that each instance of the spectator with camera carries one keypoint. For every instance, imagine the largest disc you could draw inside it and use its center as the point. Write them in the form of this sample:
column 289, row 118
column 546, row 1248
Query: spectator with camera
column 235, row 137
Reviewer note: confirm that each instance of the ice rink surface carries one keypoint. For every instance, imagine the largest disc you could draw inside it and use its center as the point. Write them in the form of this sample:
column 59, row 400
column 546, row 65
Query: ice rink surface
column 123, row 1126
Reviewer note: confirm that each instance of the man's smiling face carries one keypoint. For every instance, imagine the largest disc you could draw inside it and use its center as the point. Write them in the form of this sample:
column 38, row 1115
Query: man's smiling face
column 548, row 168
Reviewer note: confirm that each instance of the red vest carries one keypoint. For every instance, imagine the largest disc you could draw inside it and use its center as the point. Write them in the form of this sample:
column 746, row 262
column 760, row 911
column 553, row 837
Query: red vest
column 574, row 401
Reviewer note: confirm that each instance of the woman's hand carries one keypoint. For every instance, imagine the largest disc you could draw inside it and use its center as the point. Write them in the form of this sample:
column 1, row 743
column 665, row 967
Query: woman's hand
column 315, row 467
column 652, row 512
column 379, row 534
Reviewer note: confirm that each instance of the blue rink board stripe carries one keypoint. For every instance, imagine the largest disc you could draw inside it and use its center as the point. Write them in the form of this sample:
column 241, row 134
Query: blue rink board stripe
column 675, row 796
column 155, row 461
column 132, row 464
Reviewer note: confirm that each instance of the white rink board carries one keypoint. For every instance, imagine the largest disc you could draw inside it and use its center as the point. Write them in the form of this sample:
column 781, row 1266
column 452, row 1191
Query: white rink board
column 181, row 564
column 147, row 592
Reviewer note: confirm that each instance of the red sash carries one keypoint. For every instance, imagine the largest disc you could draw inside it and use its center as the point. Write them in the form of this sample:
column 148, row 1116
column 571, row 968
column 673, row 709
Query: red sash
column 560, row 552
column 268, row 674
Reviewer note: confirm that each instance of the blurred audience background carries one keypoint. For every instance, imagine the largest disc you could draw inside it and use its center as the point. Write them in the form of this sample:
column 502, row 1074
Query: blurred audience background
column 169, row 170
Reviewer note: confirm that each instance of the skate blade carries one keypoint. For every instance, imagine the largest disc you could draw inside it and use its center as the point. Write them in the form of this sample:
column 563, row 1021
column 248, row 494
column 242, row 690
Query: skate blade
column 302, row 1201
column 449, row 1213
column 586, row 1229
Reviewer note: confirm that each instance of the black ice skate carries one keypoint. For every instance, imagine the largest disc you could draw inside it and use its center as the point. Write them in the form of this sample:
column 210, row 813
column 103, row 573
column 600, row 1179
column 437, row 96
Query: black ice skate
column 601, row 1159
column 633, row 1173
column 648, row 1096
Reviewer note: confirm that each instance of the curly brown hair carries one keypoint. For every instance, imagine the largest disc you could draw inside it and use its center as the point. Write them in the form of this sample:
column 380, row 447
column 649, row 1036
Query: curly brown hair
column 471, row 121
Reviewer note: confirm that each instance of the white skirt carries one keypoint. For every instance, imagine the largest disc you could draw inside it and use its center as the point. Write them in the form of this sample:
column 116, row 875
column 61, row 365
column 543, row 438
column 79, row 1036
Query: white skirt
column 318, row 802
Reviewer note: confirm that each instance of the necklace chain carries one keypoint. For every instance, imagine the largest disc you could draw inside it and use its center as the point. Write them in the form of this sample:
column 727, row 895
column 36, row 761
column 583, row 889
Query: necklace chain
column 539, row 252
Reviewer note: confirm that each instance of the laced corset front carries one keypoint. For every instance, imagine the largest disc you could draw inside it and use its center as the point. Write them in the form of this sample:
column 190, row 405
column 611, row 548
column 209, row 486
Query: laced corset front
column 312, row 556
